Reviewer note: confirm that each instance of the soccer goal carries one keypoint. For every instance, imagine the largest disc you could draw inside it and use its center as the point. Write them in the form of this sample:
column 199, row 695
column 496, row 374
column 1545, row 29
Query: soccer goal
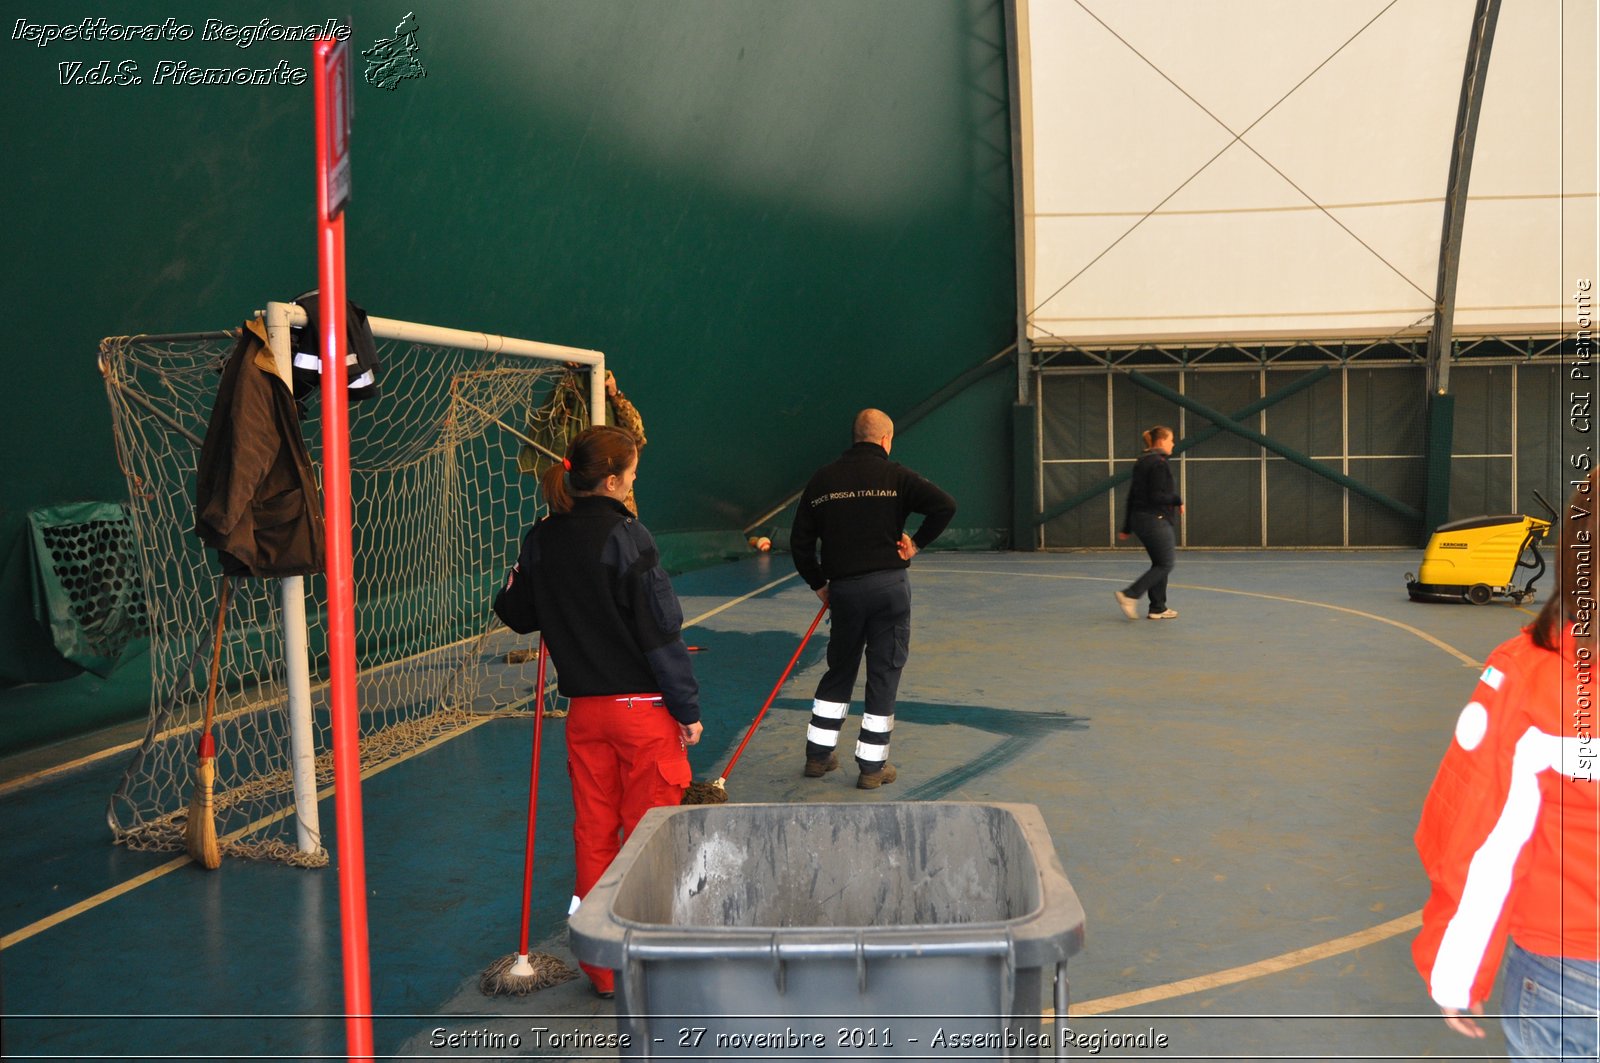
column 442, row 488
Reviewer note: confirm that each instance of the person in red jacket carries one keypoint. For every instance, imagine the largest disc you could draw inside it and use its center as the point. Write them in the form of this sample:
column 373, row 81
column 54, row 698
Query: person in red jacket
column 1510, row 831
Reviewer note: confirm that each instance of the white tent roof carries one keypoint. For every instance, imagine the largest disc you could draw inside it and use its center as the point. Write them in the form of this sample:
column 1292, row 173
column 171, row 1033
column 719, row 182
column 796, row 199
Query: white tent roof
column 1241, row 169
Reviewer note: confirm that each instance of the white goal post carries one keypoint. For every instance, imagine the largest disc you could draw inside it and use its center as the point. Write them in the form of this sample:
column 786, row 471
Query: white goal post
column 441, row 491
column 281, row 318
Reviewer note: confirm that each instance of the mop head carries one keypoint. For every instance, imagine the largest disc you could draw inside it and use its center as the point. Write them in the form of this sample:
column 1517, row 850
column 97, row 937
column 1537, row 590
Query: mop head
column 706, row 793
column 516, row 975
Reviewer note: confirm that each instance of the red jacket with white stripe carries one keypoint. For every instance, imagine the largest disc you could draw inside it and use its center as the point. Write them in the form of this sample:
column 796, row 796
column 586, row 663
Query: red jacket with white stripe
column 1510, row 832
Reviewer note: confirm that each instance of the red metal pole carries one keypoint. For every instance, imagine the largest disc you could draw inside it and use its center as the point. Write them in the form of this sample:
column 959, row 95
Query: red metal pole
column 781, row 680
column 341, row 584
column 533, row 805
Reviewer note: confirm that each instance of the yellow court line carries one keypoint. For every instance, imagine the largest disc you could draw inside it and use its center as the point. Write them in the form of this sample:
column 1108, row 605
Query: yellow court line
column 171, row 732
column 170, row 866
column 31, row 778
column 1235, row 975
column 93, row 758
column 1465, row 659
column 89, row 903
column 51, row 772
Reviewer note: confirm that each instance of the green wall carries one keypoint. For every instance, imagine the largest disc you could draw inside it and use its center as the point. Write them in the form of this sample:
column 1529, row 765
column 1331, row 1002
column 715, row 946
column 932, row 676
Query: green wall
column 768, row 214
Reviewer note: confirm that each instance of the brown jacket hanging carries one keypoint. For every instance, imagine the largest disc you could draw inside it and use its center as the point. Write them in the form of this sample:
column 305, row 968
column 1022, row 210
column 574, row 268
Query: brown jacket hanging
column 256, row 499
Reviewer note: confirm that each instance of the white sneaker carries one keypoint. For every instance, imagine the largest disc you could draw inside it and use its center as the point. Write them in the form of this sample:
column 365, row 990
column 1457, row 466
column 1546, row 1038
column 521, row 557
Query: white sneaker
column 1165, row 614
column 1130, row 608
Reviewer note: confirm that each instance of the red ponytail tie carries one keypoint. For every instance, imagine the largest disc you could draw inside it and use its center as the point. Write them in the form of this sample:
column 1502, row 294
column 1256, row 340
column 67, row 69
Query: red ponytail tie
column 566, row 463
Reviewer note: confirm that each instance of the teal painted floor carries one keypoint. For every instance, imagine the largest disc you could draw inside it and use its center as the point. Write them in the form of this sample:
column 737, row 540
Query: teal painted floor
column 1225, row 791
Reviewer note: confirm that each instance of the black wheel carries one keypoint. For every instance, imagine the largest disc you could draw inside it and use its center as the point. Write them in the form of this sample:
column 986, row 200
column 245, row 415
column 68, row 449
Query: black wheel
column 1479, row 594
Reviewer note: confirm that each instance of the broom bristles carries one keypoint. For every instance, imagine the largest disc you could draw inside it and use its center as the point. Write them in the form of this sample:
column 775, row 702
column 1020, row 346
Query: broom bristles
column 706, row 793
column 521, row 974
column 200, row 832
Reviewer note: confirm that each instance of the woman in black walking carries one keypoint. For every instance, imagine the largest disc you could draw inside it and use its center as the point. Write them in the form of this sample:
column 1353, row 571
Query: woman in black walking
column 1152, row 515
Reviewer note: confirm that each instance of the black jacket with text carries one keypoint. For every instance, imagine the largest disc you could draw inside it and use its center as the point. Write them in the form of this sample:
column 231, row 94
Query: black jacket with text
column 857, row 506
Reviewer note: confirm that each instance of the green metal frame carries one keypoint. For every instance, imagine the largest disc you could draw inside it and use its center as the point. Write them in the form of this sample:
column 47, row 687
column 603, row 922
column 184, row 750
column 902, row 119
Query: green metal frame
column 1228, row 424
column 1318, row 357
column 1116, row 480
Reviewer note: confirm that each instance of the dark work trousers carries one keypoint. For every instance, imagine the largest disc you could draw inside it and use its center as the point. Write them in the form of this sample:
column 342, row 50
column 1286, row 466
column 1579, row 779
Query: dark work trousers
column 871, row 613
column 1161, row 543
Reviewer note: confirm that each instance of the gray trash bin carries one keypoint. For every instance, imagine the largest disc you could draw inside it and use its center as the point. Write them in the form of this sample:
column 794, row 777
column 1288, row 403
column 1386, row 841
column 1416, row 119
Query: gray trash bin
column 911, row 929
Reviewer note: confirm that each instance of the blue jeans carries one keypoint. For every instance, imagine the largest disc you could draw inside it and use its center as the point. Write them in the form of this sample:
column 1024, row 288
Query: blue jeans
column 1550, row 1006
column 1161, row 543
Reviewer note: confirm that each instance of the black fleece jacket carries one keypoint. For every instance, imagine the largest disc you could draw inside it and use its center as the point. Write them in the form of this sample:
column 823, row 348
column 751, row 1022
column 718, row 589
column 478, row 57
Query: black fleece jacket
column 591, row 581
column 858, row 507
column 1153, row 491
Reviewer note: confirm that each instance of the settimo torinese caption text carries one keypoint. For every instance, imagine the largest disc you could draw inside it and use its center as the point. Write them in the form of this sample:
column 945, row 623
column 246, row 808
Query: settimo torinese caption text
column 125, row 71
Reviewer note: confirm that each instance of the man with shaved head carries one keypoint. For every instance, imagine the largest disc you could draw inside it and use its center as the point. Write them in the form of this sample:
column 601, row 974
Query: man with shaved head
column 856, row 508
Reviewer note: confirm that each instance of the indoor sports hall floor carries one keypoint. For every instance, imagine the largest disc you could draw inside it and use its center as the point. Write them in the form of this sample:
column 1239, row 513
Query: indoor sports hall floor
column 1232, row 795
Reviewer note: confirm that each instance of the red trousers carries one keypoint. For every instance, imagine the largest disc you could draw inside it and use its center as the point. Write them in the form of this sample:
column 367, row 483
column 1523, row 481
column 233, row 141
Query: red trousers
column 626, row 756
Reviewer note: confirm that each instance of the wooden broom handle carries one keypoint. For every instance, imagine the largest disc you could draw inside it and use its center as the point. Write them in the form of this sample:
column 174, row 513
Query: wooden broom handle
column 216, row 658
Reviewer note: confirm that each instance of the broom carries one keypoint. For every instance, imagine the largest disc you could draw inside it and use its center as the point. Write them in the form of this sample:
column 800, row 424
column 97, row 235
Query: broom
column 522, row 972
column 716, row 792
column 200, row 830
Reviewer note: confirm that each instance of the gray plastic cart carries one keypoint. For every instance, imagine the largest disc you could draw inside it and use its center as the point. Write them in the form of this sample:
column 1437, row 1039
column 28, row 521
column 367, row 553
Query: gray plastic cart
column 903, row 929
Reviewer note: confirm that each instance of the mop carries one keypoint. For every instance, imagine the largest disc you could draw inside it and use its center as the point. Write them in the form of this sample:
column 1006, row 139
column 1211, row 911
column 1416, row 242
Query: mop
column 524, row 972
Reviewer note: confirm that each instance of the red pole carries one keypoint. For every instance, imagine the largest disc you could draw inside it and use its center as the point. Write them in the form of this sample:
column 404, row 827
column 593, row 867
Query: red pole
column 329, row 102
column 781, row 680
column 533, row 806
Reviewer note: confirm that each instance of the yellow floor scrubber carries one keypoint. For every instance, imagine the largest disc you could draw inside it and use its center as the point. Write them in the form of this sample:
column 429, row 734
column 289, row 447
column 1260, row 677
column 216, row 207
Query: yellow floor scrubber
column 1479, row 559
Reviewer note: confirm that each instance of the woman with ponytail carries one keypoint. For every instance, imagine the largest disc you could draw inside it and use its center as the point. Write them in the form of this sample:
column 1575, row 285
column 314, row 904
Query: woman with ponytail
column 1510, row 831
column 589, row 578
column 1152, row 515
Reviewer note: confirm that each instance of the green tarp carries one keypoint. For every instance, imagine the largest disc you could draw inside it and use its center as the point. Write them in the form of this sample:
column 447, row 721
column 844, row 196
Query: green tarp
column 86, row 589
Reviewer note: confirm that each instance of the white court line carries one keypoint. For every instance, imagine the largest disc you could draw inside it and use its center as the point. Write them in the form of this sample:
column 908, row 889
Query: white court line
column 106, row 895
column 703, row 617
column 1470, row 662
column 1274, row 964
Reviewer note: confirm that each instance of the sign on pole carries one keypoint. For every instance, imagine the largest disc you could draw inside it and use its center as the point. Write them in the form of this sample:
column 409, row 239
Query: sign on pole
column 340, row 106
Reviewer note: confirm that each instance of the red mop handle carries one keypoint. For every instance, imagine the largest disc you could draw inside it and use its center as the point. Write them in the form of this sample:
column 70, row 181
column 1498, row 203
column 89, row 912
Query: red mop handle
column 533, row 805
column 781, row 680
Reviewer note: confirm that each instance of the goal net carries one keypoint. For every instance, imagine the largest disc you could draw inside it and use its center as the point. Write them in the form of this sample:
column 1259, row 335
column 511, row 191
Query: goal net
column 439, row 503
